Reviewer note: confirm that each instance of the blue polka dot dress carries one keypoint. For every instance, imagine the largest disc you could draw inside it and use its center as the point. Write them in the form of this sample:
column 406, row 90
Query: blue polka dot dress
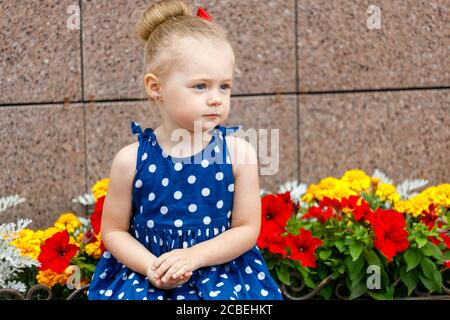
column 177, row 203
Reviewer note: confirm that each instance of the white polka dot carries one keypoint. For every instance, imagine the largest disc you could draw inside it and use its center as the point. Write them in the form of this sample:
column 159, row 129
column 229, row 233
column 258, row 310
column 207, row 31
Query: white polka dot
column 219, row 176
column 108, row 293
column 258, row 262
column 214, row 293
column 185, row 244
column 103, row 275
column 165, row 182
column 139, row 289
column 216, row 149
column 205, row 192
column 232, row 298
column 121, row 295
column 161, row 242
column 192, row 208
column 153, row 143
column 142, row 209
column 220, row 284
column 228, row 160
column 159, row 298
column 205, row 163
column 264, row 293
column 192, row 292
column 151, row 196
column 106, row 255
column 150, row 224
column 229, row 214
column 177, row 195
column 152, row 168
column 261, row 275
column 231, row 187
column 216, row 231
column 191, row 179
column 207, row 220
column 144, row 157
column 102, row 291
column 138, row 184
column 131, row 276
column 180, row 297
column 178, row 223
column 205, row 281
column 223, row 275
column 136, row 233
column 238, row 288
column 144, row 298
column 135, row 282
column 178, row 166
column 247, row 287
column 219, row 204
column 248, row 270
column 164, row 210
column 213, row 268
column 165, row 155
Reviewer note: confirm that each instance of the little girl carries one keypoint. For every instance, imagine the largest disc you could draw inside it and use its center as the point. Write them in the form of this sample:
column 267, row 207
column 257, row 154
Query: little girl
column 184, row 225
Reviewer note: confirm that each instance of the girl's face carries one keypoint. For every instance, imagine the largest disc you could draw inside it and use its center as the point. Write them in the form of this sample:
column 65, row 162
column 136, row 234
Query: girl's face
column 200, row 85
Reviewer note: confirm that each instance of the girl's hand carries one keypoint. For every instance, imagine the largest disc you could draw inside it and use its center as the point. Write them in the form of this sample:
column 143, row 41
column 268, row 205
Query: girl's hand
column 173, row 283
column 175, row 263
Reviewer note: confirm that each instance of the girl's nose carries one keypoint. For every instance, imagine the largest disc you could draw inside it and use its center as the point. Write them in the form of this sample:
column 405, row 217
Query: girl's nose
column 214, row 102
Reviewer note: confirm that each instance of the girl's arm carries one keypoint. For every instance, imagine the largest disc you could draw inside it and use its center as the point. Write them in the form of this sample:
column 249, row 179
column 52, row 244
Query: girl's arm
column 117, row 213
column 246, row 215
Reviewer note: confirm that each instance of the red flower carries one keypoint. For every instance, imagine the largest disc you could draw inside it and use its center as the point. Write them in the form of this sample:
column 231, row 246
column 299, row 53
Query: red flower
column 430, row 217
column 359, row 212
column 276, row 210
column 303, row 247
column 447, row 263
column 390, row 234
column 56, row 252
column 96, row 216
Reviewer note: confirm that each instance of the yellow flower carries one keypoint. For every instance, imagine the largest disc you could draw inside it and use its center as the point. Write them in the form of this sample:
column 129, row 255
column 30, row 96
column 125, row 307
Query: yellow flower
column 439, row 195
column 386, row 191
column 357, row 179
column 94, row 249
column 100, row 188
column 29, row 243
column 49, row 232
column 68, row 221
column 51, row 278
column 328, row 187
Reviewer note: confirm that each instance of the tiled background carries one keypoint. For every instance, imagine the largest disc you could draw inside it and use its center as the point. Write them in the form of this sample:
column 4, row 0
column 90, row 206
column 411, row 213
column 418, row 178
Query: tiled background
column 342, row 95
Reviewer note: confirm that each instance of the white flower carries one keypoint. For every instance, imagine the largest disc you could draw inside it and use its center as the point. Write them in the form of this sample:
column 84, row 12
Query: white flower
column 405, row 189
column 86, row 200
column 296, row 189
column 11, row 261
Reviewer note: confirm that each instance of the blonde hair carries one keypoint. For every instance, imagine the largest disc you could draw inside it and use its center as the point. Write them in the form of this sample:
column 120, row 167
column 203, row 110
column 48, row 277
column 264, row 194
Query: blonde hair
column 164, row 22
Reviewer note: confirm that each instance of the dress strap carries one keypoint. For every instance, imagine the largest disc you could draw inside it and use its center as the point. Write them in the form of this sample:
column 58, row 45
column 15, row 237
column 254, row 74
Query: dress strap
column 137, row 130
column 227, row 130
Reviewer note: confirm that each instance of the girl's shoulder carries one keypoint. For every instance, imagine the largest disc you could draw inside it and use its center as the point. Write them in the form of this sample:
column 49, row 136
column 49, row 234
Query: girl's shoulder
column 241, row 153
column 125, row 159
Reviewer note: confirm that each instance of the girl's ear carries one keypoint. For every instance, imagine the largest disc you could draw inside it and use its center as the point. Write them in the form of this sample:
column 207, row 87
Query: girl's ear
column 152, row 86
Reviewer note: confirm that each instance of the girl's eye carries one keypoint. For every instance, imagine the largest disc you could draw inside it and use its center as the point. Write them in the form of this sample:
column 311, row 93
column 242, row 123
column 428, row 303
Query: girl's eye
column 225, row 86
column 200, row 86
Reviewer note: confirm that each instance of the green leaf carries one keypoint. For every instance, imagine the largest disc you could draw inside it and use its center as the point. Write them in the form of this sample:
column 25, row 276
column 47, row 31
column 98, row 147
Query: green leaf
column 436, row 252
column 447, row 255
column 340, row 244
column 356, row 249
column 354, row 268
column 326, row 292
column 412, row 258
column 324, row 254
column 429, row 284
column 372, row 258
column 410, row 279
column 421, row 241
column 358, row 290
column 428, row 267
column 284, row 275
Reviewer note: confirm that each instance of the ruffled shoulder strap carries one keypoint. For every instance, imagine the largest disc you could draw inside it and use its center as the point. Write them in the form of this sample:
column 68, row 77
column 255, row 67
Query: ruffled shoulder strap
column 137, row 130
column 227, row 130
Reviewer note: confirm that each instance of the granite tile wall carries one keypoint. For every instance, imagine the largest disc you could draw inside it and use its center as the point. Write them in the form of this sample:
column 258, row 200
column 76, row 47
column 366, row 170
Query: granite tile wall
column 340, row 93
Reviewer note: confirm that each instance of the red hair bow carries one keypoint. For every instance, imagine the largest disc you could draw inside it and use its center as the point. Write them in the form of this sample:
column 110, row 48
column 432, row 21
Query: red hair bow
column 201, row 13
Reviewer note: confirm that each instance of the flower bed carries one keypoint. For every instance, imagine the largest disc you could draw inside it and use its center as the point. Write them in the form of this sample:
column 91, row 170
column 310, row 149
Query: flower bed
column 354, row 237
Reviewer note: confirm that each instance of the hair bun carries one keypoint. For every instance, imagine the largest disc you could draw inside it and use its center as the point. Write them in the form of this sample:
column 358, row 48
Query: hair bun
column 157, row 13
